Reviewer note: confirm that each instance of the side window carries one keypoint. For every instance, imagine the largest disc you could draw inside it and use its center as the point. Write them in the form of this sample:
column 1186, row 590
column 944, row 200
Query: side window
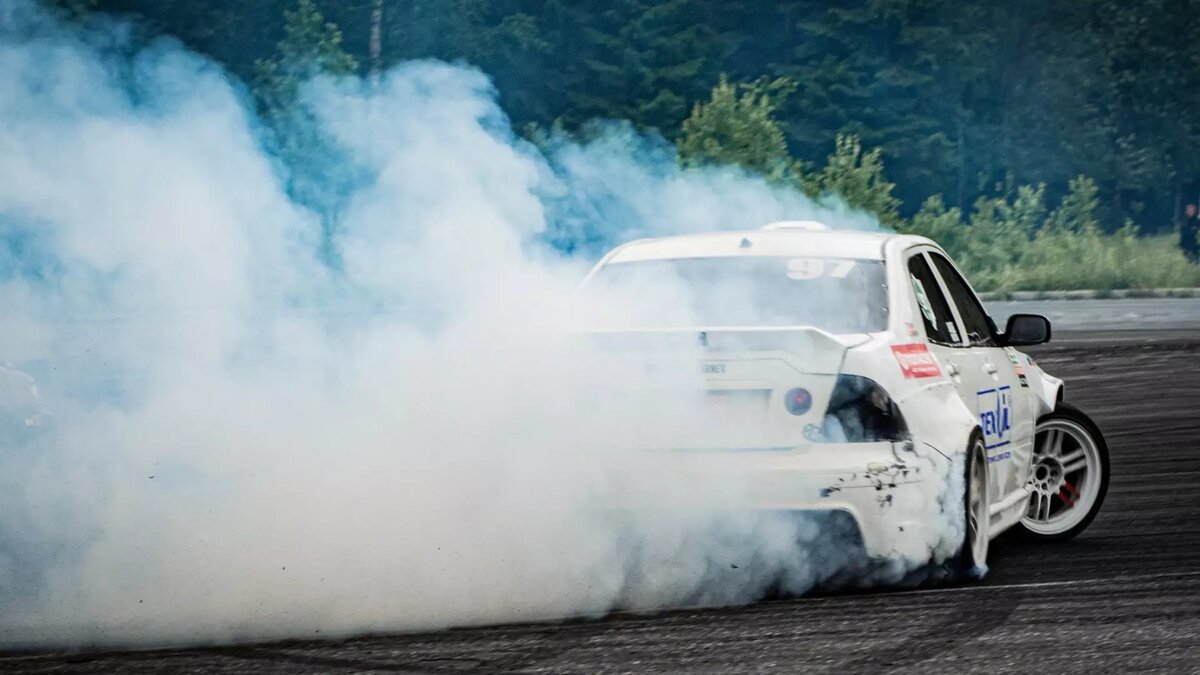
column 935, row 311
column 974, row 318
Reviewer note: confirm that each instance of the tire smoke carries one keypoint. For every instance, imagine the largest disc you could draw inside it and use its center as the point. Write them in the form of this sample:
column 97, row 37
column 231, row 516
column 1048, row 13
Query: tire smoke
column 229, row 435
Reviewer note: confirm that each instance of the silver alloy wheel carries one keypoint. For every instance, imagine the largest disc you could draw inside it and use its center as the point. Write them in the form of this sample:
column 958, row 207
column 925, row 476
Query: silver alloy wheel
column 978, row 518
column 1065, row 478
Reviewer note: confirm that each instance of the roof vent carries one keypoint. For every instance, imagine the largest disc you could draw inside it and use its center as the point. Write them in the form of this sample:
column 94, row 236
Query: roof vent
column 806, row 225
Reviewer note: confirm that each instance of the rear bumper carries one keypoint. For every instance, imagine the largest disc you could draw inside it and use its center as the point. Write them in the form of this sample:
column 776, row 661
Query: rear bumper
column 890, row 496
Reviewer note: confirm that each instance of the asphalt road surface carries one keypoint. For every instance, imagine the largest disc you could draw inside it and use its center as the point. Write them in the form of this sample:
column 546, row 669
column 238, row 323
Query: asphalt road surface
column 1171, row 315
column 1123, row 597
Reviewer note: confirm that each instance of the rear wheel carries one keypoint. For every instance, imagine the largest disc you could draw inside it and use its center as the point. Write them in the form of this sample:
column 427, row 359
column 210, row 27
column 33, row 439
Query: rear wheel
column 971, row 560
column 1069, row 478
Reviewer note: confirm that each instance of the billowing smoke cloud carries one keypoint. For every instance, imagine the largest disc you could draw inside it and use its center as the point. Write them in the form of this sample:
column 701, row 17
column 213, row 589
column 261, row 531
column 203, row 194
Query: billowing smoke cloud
column 238, row 438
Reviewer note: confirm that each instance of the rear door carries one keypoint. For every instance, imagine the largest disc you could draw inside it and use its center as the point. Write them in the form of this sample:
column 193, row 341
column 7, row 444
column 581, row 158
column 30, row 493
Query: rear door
column 943, row 331
column 1002, row 399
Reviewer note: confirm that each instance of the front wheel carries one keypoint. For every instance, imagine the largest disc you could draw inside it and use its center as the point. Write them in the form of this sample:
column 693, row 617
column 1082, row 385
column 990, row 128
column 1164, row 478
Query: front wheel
column 1069, row 477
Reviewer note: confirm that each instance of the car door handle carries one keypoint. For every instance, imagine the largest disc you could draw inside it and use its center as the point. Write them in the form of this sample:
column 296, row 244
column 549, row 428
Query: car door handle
column 952, row 369
column 989, row 368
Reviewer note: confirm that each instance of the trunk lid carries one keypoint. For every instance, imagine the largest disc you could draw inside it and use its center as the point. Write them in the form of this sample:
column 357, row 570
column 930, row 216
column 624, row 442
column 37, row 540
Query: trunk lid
column 726, row 388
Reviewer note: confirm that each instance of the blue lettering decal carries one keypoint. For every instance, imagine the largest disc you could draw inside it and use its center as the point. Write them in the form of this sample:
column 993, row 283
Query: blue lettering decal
column 995, row 416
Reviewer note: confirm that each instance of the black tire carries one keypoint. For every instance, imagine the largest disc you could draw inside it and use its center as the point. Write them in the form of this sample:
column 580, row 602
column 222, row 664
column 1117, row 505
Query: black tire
column 971, row 560
column 1031, row 528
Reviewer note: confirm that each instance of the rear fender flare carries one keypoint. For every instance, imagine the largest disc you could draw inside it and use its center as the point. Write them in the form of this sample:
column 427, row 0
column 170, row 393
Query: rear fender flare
column 938, row 419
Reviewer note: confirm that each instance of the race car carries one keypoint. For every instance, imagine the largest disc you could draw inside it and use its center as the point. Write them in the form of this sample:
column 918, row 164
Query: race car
column 851, row 370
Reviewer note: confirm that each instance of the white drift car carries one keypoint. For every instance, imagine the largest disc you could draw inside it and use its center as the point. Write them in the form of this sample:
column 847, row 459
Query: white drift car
column 846, row 366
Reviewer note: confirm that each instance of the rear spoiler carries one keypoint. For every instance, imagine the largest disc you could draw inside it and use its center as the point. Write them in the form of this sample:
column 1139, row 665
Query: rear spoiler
column 815, row 350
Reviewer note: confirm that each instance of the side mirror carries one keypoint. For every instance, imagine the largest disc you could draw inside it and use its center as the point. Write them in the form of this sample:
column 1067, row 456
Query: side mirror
column 1027, row 329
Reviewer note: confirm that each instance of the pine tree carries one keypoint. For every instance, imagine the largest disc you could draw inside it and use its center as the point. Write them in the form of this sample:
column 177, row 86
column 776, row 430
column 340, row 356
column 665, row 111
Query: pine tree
column 859, row 67
column 642, row 61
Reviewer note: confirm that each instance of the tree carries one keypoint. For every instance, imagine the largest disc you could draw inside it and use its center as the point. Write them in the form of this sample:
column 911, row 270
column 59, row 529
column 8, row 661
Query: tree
column 965, row 98
column 642, row 61
column 941, row 224
column 737, row 126
column 310, row 46
column 235, row 34
column 507, row 39
column 857, row 178
column 858, row 66
column 1152, row 60
column 1077, row 212
column 72, row 8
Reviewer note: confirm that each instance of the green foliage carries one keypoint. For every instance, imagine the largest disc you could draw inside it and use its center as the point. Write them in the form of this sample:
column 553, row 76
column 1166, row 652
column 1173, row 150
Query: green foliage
column 72, row 8
column 1011, row 242
column 957, row 97
column 959, row 94
column 856, row 177
column 1027, row 210
column 941, row 224
column 310, row 46
column 1063, row 260
column 1008, row 247
column 995, row 241
column 644, row 61
column 1077, row 213
column 737, row 126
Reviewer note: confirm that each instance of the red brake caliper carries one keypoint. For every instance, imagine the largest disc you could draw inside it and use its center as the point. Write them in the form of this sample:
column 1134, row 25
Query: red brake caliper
column 1063, row 496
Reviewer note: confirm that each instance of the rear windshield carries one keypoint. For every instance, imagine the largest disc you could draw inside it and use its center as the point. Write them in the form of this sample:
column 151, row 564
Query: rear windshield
column 839, row 295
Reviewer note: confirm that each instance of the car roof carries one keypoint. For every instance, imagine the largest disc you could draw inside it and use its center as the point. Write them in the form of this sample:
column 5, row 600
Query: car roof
column 772, row 242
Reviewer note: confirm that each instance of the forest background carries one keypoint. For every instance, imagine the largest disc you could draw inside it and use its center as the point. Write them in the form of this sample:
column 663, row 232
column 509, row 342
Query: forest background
column 1046, row 145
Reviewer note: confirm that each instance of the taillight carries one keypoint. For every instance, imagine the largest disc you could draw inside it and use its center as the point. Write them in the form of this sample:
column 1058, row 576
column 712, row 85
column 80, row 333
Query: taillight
column 798, row 401
column 860, row 411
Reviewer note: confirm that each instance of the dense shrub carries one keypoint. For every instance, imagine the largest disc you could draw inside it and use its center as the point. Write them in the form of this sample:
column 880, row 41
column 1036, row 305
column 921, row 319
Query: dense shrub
column 1007, row 243
column 1012, row 244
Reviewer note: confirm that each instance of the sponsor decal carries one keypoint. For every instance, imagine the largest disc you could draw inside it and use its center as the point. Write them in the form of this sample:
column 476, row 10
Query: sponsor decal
column 1007, row 454
column 1016, row 363
column 923, row 300
column 995, row 416
column 953, row 330
column 712, row 368
column 910, row 329
column 916, row 361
